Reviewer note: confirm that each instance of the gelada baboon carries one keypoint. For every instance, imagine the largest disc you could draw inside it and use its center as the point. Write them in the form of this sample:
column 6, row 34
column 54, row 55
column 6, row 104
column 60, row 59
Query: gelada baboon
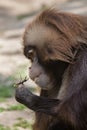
column 56, row 44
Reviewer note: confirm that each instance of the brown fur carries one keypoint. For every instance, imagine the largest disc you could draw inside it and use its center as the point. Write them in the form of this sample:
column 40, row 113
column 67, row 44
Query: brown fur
column 65, row 33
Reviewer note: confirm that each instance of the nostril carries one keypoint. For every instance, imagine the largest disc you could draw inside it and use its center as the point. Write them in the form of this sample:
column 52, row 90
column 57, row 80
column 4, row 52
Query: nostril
column 29, row 68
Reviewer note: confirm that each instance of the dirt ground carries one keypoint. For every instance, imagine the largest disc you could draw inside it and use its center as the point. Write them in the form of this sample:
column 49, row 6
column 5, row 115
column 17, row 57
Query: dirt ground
column 13, row 18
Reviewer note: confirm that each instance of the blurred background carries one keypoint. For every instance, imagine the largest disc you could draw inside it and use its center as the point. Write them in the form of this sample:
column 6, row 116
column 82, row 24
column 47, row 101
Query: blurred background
column 14, row 16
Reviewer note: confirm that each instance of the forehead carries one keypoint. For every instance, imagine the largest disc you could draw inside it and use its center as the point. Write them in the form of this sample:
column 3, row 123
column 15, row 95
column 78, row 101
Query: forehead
column 38, row 34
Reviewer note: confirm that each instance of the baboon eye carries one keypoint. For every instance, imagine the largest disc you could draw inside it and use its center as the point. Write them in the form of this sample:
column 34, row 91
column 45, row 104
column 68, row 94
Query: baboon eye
column 31, row 54
column 30, row 51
